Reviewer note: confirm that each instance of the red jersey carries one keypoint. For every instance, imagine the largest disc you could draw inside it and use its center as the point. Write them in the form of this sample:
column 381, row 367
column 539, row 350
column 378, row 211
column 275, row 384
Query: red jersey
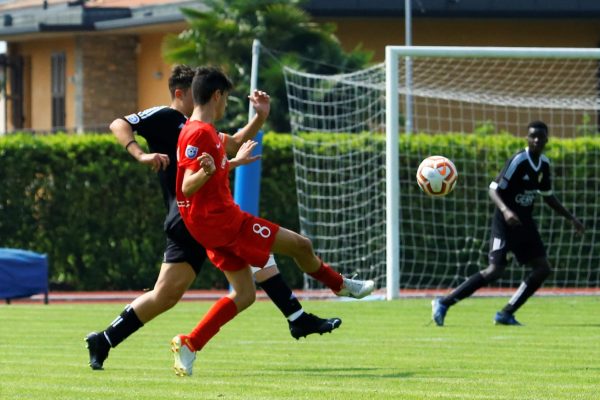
column 210, row 214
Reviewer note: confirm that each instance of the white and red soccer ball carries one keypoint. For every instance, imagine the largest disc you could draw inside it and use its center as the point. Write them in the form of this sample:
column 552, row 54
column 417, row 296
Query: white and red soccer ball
column 437, row 176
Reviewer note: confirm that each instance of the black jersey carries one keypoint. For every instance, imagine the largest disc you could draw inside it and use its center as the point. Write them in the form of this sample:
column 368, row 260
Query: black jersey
column 521, row 180
column 160, row 126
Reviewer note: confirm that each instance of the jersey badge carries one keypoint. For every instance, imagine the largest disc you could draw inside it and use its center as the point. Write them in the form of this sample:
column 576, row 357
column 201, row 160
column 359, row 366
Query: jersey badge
column 132, row 119
column 191, row 151
column 525, row 177
column 540, row 176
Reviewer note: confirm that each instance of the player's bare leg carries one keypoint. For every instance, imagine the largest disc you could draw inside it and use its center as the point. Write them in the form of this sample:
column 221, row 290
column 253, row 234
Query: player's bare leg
column 300, row 249
column 243, row 294
column 173, row 280
column 243, row 291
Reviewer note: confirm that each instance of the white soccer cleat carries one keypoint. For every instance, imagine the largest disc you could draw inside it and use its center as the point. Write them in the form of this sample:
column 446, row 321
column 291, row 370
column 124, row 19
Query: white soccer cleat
column 356, row 288
column 183, row 354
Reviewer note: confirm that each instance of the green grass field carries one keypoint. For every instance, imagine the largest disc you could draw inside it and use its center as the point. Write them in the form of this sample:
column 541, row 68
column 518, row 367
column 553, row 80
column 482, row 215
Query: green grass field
column 383, row 350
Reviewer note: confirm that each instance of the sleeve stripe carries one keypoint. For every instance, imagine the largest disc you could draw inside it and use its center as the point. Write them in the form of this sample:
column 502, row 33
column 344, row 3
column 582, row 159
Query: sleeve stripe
column 149, row 111
column 223, row 137
column 519, row 158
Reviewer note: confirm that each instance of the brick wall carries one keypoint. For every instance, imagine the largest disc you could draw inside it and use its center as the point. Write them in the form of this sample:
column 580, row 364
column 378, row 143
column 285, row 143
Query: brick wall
column 109, row 79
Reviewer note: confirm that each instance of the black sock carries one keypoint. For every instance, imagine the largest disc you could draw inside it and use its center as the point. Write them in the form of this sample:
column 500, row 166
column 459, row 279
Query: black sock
column 281, row 294
column 122, row 327
column 528, row 287
column 466, row 289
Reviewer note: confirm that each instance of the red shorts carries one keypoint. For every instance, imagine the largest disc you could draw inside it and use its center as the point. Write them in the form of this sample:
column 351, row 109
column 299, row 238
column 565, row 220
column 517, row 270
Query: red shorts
column 251, row 246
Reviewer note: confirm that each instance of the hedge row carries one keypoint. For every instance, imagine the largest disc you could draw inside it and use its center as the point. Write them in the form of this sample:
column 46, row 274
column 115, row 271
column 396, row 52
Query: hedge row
column 444, row 240
column 467, row 212
column 98, row 214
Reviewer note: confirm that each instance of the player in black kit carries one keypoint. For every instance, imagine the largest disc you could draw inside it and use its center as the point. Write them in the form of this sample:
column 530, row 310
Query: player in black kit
column 183, row 256
column 525, row 175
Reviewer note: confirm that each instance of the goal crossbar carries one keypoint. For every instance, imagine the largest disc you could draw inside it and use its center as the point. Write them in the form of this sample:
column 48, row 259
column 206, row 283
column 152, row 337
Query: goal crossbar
column 488, row 52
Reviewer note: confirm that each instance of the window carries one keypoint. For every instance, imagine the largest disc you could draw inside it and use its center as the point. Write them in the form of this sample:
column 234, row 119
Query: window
column 59, row 77
column 15, row 94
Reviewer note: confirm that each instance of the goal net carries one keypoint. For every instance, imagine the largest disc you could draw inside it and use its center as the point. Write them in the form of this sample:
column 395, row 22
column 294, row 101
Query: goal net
column 355, row 161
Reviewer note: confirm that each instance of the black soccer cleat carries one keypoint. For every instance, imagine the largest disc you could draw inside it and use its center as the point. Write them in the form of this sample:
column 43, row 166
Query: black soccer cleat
column 98, row 348
column 307, row 324
column 504, row 318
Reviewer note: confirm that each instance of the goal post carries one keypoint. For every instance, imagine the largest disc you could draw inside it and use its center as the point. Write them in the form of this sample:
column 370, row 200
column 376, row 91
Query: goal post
column 358, row 138
column 393, row 54
column 392, row 175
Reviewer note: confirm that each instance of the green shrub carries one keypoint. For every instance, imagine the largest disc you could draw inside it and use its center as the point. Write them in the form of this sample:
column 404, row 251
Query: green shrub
column 98, row 214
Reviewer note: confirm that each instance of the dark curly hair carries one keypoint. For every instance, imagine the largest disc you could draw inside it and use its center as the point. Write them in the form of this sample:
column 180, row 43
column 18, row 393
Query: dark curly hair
column 181, row 78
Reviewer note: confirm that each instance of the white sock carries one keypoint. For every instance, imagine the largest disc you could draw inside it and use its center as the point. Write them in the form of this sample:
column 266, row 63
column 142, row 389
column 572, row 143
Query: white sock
column 295, row 316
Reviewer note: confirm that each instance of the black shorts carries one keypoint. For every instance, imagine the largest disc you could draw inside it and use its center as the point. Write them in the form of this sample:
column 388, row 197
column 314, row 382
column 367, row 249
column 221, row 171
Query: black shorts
column 523, row 241
column 182, row 247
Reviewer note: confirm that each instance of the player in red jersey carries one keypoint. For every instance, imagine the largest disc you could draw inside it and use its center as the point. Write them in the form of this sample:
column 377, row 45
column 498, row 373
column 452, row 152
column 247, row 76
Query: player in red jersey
column 233, row 239
column 183, row 256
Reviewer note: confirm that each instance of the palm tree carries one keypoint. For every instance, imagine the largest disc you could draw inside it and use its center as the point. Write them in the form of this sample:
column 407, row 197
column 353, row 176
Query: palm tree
column 221, row 33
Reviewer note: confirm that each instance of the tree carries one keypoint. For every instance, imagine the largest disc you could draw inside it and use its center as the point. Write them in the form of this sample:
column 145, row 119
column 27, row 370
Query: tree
column 223, row 35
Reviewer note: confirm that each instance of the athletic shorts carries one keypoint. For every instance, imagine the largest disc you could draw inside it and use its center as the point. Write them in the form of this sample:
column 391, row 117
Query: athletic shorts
column 252, row 246
column 182, row 247
column 523, row 241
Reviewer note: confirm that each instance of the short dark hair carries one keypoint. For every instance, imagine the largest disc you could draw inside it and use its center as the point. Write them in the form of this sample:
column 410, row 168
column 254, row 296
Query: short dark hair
column 207, row 81
column 181, row 78
column 536, row 127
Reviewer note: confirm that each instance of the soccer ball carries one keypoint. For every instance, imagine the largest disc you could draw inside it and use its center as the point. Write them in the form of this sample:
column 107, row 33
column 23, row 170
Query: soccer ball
column 437, row 176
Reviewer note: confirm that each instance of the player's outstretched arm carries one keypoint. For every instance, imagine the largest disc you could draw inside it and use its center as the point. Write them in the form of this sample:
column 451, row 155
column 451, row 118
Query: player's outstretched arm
column 244, row 155
column 124, row 134
column 262, row 105
column 557, row 206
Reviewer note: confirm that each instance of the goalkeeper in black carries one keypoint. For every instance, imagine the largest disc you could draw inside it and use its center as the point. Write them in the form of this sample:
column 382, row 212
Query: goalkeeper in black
column 525, row 175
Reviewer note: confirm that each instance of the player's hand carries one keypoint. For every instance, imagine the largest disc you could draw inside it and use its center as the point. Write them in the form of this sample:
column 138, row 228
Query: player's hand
column 511, row 218
column 244, row 155
column 207, row 163
column 261, row 102
column 156, row 161
column 579, row 228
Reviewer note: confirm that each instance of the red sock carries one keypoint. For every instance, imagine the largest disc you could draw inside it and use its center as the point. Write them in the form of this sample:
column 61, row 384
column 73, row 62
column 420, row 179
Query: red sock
column 219, row 314
column 332, row 279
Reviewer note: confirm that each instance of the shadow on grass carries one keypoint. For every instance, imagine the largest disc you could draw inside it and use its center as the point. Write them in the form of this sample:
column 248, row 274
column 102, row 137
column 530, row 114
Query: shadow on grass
column 595, row 326
column 356, row 372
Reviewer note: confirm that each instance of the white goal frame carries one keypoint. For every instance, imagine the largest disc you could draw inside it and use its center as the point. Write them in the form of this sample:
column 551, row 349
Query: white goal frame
column 392, row 56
